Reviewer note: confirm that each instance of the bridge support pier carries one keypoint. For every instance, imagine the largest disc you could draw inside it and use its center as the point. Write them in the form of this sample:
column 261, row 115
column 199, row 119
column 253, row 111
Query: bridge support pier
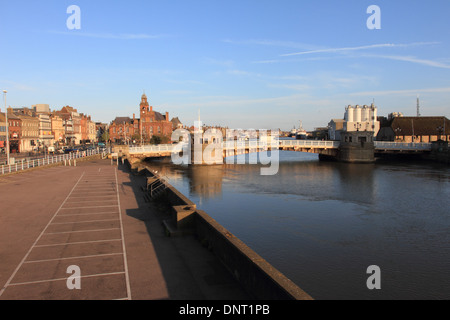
column 356, row 147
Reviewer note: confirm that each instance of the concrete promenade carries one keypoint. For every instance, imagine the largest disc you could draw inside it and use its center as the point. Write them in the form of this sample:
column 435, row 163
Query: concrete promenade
column 94, row 216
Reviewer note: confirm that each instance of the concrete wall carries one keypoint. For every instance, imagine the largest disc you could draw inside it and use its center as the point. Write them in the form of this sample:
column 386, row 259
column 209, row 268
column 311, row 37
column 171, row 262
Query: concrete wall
column 259, row 278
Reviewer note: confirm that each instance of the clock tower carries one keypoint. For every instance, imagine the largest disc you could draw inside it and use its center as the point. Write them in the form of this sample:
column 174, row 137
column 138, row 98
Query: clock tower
column 144, row 105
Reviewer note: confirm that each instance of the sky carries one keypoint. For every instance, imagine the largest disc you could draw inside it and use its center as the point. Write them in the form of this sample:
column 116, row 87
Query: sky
column 248, row 64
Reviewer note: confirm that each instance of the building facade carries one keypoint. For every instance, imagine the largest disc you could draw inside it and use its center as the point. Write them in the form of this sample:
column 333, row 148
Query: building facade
column 415, row 129
column 151, row 123
column 58, row 129
column 361, row 118
column 30, row 132
column 15, row 132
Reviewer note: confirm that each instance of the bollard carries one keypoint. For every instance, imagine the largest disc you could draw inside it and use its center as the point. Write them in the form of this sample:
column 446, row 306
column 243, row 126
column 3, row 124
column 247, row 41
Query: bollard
column 74, row 163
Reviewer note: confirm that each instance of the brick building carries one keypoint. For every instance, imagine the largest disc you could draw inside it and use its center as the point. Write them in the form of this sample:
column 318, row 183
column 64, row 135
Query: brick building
column 415, row 129
column 132, row 130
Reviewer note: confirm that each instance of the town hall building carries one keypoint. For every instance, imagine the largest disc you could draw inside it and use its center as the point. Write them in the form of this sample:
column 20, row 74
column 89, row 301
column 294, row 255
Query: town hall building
column 151, row 123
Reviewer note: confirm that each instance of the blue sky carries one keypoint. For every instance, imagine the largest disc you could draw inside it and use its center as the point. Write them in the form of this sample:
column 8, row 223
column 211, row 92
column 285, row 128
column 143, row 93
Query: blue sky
column 243, row 64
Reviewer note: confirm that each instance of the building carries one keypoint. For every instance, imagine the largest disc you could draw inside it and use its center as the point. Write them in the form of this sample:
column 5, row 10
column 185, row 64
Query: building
column 30, row 132
column 356, row 118
column 29, row 139
column 122, row 129
column 58, row 129
column 72, row 124
column 363, row 118
column 2, row 132
column 15, row 132
column 335, row 127
column 415, row 129
column 176, row 124
column 151, row 123
column 91, row 130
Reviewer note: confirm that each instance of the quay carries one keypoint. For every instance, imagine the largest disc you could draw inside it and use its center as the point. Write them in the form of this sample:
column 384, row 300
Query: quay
column 95, row 216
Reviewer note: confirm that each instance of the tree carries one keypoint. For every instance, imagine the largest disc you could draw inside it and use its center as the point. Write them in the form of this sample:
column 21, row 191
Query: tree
column 155, row 140
column 105, row 136
column 159, row 139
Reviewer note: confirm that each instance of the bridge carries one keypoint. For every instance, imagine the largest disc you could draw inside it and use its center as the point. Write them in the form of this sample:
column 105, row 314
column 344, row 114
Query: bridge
column 324, row 148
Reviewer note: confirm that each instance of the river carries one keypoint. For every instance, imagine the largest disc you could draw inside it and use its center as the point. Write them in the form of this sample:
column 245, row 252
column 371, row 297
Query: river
column 322, row 224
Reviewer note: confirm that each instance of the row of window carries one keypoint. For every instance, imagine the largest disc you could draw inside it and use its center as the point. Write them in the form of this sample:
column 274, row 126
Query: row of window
column 128, row 129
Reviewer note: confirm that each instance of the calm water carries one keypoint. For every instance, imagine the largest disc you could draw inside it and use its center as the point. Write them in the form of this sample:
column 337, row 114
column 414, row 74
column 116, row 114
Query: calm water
column 323, row 224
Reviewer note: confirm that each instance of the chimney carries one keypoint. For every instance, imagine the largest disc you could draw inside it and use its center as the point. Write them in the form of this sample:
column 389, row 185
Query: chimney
column 167, row 116
column 134, row 116
column 151, row 108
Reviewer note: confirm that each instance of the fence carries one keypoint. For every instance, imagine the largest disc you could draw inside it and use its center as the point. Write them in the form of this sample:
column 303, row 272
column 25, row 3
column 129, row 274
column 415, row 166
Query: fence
column 24, row 164
column 387, row 145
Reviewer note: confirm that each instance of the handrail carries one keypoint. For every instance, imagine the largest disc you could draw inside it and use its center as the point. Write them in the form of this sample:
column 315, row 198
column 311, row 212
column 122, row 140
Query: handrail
column 283, row 143
column 27, row 164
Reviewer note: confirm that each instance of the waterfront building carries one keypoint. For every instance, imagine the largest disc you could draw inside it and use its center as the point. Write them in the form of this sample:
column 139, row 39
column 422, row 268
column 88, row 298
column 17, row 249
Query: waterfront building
column 335, row 127
column 30, row 132
column 361, row 118
column 29, row 128
column 46, row 137
column 176, row 123
column 122, row 129
column 15, row 132
column 415, row 129
column 72, row 124
column 91, row 130
column 151, row 123
column 2, row 132
column 58, row 129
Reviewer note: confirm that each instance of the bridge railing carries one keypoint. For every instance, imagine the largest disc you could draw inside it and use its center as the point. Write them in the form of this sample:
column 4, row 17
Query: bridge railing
column 387, row 145
column 309, row 143
column 151, row 148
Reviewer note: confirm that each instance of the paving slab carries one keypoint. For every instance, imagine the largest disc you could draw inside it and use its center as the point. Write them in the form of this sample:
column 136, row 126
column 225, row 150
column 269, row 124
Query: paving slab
column 94, row 216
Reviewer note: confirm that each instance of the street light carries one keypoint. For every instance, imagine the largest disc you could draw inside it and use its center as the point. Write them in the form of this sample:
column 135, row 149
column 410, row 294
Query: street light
column 7, row 130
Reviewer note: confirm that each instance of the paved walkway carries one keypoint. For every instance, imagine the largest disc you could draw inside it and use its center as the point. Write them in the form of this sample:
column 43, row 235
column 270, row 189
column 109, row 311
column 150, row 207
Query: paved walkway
column 93, row 217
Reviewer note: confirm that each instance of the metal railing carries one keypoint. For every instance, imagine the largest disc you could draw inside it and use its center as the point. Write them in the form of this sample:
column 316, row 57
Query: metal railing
column 387, row 145
column 24, row 163
column 151, row 148
column 309, row 143
column 253, row 144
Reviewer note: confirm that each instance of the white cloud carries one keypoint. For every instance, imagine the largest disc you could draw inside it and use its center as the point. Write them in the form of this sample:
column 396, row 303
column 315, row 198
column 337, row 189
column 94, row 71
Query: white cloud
column 411, row 59
column 372, row 46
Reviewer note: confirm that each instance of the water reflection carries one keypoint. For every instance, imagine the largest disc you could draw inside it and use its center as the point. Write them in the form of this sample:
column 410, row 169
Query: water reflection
column 323, row 223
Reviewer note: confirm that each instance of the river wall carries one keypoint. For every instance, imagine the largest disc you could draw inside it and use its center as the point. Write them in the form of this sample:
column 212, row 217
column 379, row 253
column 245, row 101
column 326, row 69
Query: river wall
column 258, row 277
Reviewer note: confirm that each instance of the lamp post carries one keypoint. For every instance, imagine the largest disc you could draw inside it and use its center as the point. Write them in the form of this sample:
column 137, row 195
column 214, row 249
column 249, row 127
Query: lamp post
column 7, row 130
